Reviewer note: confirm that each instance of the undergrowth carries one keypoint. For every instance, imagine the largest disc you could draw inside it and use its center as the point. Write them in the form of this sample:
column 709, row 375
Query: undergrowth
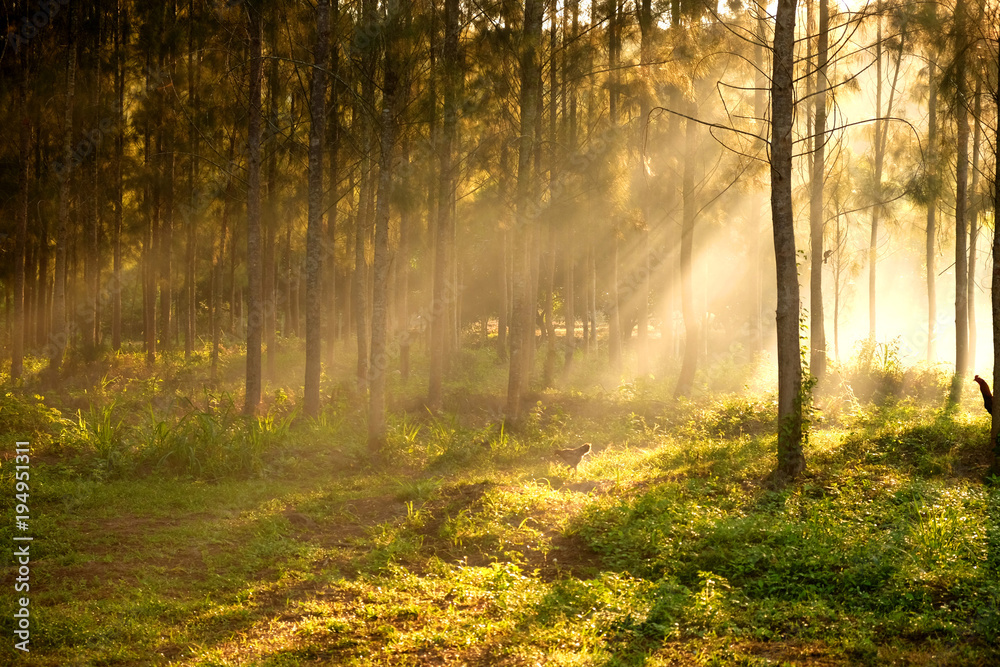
column 173, row 530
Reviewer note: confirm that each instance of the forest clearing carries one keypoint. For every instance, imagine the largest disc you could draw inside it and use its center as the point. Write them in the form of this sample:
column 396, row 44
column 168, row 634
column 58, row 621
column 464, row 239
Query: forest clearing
column 182, row 534
column 499, row 332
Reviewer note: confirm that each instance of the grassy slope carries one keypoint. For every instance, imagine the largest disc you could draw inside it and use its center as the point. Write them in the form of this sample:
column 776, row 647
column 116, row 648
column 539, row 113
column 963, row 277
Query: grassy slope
column 183, row 535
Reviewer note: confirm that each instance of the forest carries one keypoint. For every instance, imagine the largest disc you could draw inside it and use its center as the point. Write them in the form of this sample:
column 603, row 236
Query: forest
column 475, row 332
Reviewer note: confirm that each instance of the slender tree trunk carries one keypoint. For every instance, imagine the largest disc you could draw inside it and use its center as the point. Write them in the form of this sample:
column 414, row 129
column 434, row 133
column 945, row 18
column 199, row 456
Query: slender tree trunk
column 116, row 234
column 646, row 27
column 503, row 319
column 757, row 199
column 873, row 244
column 402, row 264
column 21, row 234
column 270, row 221
column 523, row 316
column 314, row 232
column 365, row 197
column 330, row 272
column 218, row 266
column 91, row 266
column 255, row 311
column 190, row 222
column 994, row 446
column 443, row 293
column 614, row 310
column 166, row 232
column 931, row 212
column 60, row 333
column 791, row 461
column 973, row 209
column 817, row 332
column 391, row 101
column 548, row 269
column 151, row 204
column 961, row 209
column 569, row 247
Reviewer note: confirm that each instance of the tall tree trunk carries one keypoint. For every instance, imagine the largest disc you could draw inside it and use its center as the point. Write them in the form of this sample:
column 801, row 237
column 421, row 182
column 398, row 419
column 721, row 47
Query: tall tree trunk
column 548, row 272
column 961, row 208
column 791, row 461
column 973, row 209
column 21, row 234
column 314, row 232
column 365, row 196
column 220, row 261
column 757, row 199
column 255, row 311
column 391, row 102
column 569, row 247
column 116, row 233
column 331, row 220
column 522, row 331
column 91, row 267
column 270, row 221
column 614, row 310
column 443, row 293
column 817, row 332
column 151, row 204
column 60, row 332
column 931, row 211
column 168, row 161
column 646, row 27
column 994, row 446
column 190, row 273
column 503, row 319
column 402, row 265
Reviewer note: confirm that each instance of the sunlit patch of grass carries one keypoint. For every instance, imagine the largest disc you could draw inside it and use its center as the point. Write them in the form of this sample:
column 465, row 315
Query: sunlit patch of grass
column 283, row 541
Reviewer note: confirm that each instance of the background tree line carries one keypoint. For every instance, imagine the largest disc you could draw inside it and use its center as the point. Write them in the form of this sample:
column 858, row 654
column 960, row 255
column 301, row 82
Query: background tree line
column 552, row 178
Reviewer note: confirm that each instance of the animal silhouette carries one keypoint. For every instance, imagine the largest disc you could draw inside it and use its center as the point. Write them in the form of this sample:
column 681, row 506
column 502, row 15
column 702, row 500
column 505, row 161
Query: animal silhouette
column 572, row 457
column 987, row 394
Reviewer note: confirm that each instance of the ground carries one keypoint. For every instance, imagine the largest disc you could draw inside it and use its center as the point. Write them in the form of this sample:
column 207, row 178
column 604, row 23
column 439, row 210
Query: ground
column 191, row 536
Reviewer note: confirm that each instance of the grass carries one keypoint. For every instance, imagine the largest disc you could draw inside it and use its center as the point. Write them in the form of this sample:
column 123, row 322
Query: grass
column 169, row 530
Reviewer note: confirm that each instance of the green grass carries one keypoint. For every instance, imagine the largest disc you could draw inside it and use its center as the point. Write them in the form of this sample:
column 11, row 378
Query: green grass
column 172, row 531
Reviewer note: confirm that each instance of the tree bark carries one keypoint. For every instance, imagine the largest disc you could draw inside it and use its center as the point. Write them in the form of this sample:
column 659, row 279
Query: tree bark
column 973, row 209
column 21, row 234
column 255, row 310
column 270, row 220
column 614, row 309
column 817, row 332
column 314, row 231
column 791, row 461
column 931, row 211
column 90, row 323
column 60, row 333
column 522, row 331
column 391, row 102
column 330, row 273
column 961, row 209
column 166, row 233
column 443, row 293
column 116, row 233
column 994, row 446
